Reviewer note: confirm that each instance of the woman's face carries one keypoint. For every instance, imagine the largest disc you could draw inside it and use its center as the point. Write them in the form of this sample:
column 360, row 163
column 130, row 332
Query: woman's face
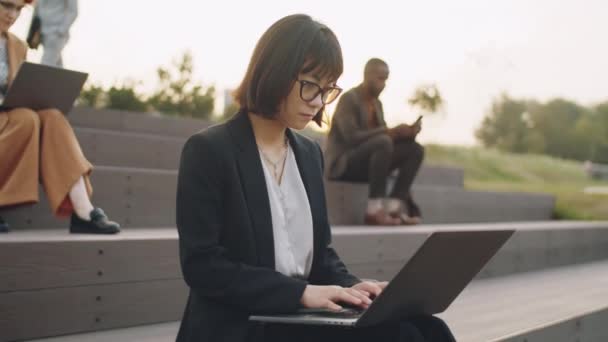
column 295, row 112
column 9, row 12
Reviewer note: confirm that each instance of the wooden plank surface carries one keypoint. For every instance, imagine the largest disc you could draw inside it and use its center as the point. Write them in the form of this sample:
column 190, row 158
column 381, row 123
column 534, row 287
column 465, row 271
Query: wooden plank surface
column 589, row 327
column 127, row 121
column 337, row 230
column 39, row 265
column 539, row 306
column 50, row 312
column 499, row 308
column 161, row 332
column 55, row 258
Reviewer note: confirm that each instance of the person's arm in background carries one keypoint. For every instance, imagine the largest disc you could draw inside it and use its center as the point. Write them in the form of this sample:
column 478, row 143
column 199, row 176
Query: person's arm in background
column 401, row 131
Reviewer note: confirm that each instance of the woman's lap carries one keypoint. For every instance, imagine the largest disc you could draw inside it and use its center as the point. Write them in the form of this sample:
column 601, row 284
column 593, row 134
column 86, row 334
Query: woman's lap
column 419, row 329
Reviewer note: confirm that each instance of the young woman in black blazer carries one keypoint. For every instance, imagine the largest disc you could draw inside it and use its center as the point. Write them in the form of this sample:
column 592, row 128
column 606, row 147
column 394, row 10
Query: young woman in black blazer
column 235, row 231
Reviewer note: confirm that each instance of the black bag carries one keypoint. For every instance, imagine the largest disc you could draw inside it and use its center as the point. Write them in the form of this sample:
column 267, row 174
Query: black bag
column 33, row 35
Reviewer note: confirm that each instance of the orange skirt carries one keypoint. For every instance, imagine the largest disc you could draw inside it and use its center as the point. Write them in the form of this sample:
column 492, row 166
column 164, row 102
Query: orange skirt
column 40, row 148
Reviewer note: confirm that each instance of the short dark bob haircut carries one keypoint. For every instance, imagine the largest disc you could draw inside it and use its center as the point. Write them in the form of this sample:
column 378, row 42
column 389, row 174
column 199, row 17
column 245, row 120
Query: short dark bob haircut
column 292, row 45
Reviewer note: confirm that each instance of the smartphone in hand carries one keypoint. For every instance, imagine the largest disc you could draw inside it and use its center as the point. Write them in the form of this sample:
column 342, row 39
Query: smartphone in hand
column 418, row 124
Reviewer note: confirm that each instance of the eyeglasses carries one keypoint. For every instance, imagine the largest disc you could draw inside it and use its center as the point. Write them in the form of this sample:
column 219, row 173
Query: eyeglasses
column 9, row 6
column 310, row 90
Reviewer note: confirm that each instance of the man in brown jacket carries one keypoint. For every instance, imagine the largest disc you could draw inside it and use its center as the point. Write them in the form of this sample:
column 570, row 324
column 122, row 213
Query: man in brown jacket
column 361, row 148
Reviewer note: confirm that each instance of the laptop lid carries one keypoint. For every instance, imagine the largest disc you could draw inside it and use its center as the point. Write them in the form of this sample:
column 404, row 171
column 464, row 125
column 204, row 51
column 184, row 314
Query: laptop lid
column 428, row 283
column 38, row 86
column 441, row 268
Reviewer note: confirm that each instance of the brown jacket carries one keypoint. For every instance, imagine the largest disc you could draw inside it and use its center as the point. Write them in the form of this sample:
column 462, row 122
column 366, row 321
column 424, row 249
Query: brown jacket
column 349, row 128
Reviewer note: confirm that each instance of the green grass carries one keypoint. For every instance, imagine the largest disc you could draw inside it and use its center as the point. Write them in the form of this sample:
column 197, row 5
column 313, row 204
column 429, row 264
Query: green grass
column 492, row 170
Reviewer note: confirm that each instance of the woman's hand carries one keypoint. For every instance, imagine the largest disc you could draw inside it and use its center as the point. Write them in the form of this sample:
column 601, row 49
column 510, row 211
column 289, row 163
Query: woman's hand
column 328, row 297
column 373, row 288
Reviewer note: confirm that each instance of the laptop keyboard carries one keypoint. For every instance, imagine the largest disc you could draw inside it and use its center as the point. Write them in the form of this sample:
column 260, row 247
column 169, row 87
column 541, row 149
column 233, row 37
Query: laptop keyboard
column 344, row 313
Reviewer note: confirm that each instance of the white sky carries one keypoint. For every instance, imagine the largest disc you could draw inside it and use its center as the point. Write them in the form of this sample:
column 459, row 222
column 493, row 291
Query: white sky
column 472, row 49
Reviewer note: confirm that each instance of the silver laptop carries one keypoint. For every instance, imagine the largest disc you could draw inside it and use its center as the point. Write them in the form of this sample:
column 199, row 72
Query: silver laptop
column 38, row 86
column 428, row 283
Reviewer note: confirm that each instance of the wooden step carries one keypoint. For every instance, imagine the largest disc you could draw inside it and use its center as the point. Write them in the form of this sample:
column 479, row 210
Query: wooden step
column 76, row 283
column 154, row 151
column 559, row 305
column 142, row 197
column 346, row 203
column 125, row 121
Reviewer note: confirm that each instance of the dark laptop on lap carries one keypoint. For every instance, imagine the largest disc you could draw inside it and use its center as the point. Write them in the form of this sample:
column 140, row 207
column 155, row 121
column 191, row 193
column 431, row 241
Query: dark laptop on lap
column 38, row 86
column 428, row 283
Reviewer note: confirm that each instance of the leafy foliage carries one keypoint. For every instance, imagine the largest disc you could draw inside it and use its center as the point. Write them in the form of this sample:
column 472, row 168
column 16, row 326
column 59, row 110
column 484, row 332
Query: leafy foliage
column 559, row 128
column 427, row 98
column 177, row 93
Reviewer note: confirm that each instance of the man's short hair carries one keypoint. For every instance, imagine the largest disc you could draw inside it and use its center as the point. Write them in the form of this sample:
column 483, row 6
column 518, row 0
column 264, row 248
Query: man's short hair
column 371, row 64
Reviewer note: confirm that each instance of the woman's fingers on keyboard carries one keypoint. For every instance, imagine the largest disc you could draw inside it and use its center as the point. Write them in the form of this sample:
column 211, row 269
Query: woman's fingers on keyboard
column 374, row 288
column 362, row 295
column 332, row 306
column 350, row 297
column 331, row 297
column 382, row 284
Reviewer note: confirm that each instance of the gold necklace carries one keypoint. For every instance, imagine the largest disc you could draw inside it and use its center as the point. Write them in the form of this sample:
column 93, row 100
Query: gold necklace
column 276, row 171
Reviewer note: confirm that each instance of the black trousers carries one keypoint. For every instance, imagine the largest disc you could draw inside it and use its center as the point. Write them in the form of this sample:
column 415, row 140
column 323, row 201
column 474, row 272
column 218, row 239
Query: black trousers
column 420, row 329
column 374, row 160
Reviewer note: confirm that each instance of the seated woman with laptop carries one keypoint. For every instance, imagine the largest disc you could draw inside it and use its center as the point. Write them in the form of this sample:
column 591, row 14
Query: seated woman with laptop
column 40, row 147
column 253, row 230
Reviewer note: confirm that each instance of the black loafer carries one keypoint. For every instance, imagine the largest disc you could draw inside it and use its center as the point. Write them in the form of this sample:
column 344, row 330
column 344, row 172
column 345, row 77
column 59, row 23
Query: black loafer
column 99, row 224
column 3, row 226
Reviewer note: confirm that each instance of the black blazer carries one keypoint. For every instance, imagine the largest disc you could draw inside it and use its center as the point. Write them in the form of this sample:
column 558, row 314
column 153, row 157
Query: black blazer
column 226, row 239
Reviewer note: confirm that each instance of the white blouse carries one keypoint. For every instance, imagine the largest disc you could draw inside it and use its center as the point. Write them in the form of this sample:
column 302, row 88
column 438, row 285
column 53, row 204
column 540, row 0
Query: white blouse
column 291, row 219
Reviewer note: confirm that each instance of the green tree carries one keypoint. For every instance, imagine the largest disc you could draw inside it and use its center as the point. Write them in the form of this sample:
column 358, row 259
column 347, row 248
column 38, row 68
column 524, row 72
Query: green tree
column 122, row 97
column 178, row 94
column 599, row 150
column 506, row 125
column 92, row 96
column 559, row 127
column 125, row 97
column 557, row 121
column 427, row 98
